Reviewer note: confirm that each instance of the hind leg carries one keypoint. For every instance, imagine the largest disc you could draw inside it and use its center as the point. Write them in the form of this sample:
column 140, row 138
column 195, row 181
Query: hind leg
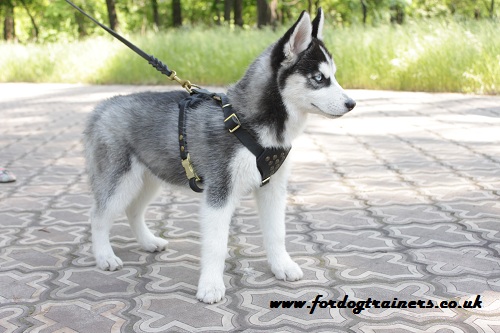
column 135, row 214
column 101, row 222
column 112, row 196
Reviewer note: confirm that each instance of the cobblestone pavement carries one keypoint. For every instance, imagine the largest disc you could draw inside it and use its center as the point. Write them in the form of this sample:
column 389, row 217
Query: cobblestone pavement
column 397, row 201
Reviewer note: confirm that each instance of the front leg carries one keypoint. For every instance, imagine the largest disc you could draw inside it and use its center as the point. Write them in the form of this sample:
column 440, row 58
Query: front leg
column 214, row 224
column 271, row 201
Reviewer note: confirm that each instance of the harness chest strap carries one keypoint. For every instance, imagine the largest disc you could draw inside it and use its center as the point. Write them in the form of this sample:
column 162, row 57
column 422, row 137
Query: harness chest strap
column 268, row 160
column 194, row 179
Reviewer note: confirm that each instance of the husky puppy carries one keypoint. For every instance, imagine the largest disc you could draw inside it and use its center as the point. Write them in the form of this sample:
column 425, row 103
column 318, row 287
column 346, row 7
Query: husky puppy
column 131, row 145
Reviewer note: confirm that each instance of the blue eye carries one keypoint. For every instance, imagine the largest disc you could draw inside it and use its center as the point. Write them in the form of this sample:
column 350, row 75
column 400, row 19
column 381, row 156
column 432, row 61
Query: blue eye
column 318, row 77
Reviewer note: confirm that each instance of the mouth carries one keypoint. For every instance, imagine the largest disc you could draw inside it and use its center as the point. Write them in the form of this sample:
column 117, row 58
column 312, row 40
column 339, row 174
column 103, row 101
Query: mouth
column 332, row 116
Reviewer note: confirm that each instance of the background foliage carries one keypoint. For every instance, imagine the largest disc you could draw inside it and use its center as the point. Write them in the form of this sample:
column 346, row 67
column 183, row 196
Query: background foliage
column 51, row 20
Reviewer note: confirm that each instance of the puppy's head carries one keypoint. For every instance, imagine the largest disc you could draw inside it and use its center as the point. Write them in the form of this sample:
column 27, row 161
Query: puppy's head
column 306, row 70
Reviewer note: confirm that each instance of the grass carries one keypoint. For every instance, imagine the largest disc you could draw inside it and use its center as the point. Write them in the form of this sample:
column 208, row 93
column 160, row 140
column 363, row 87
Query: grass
column 213, row 57
column 424, row 56
column 420, row 56
column 56, row 62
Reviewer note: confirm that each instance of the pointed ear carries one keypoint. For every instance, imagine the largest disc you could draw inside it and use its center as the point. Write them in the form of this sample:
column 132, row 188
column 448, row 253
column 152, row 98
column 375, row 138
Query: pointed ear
column 317, row 24
column 298, row 38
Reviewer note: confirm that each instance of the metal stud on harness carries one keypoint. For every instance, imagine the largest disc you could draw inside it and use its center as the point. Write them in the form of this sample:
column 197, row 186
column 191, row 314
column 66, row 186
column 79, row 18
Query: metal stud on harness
column 268, row 160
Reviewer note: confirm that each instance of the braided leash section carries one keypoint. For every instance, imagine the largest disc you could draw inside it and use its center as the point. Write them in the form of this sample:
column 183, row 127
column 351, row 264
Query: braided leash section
column 172, row 75
column 159, row 66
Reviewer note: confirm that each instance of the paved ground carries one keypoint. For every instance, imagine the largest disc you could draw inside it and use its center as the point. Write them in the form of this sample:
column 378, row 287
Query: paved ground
column 397, row 200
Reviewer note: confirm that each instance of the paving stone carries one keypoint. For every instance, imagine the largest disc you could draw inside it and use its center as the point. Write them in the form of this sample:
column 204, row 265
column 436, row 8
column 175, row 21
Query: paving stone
column 399, row 199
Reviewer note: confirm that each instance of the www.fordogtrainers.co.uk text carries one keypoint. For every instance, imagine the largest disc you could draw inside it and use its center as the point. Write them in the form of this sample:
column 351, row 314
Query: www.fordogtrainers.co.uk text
column 369, row 303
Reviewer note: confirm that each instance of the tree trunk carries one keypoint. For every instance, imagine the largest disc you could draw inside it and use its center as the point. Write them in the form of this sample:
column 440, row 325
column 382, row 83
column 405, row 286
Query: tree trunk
column 113, row 19
column 238, row 12
column 364, row 9
column 80, row 22
column 263, row 13
column 35, row 26
column 228, row 6
column 177, row 13
column 273, row 10
column 217, row 11
column 267, row 13
column 397, row 14
column 9, row 32
column 156, row 16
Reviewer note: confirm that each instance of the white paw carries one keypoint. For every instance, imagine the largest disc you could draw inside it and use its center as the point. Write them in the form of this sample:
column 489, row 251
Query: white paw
column 211, row 291
column 108, row 262
column 287, row 270
column 154, row 244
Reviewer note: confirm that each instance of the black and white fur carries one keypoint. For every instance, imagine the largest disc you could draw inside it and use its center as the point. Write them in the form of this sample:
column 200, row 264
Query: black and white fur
column 131, row 145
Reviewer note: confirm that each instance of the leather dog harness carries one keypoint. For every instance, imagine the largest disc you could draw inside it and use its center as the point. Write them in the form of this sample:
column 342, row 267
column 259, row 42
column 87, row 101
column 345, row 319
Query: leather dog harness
column 268, row 160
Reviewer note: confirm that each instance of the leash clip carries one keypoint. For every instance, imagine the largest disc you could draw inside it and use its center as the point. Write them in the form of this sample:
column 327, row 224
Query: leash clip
column 194, row 179
column 186, row 84
column 188, row 167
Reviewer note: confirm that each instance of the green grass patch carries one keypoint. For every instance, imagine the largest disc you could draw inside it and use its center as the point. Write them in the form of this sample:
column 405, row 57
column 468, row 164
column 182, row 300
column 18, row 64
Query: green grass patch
column 424, row 56
column 56, row 62
column 212, row 57
column 434, row 56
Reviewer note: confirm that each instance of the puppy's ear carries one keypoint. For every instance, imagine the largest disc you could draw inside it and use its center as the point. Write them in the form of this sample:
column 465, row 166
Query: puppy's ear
column 298, row 38
column 317, row 24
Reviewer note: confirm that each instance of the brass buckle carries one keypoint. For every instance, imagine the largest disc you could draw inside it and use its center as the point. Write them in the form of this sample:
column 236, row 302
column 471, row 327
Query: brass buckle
column 188, row 167
column 236, row 120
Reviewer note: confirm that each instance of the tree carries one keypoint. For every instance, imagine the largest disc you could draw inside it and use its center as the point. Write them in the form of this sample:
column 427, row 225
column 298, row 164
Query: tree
column 266, row 12
column 216, row 9
column 397, row 11
column 364, row 9
column 113, row 19
column 80, row 22
column 228, row 6
column 263, row 13
column 310, row 5
column 491, row 8
column 176, row 13
column 47, row 20
column 238, row 12
column 32, row 19
column 9, row 32
column 156, row 16
column 273, row 7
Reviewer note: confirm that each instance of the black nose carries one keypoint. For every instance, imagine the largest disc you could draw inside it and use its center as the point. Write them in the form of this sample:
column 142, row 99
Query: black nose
column 350, row 104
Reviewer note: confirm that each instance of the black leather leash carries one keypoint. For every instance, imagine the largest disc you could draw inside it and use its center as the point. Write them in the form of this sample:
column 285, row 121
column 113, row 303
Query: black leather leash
column 268, row 160
column 155, row 62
